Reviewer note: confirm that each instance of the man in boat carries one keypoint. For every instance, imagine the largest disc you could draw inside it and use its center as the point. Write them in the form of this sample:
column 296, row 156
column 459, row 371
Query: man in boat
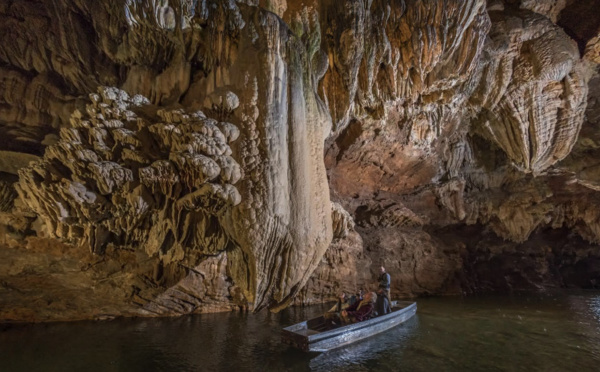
column 358, row 297
column 357, row 312
column 382, row 306
column 384, row 283
column 346, row 300
column 342, row 303
column 360, row 311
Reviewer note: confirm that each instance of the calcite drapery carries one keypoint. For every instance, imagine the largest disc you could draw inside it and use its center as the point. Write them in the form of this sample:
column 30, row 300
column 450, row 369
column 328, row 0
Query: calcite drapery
column 533, row 90
column 283, row 224
column 156, row 178
column 416, row 52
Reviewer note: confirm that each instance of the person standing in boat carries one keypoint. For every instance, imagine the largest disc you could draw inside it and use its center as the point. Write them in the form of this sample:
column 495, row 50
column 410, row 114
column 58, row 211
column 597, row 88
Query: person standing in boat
column 384, row 283
column 382, row 306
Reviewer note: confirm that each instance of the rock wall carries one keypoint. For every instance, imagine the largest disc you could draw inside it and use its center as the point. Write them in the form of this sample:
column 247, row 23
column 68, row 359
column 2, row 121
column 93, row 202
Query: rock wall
column 485, row 191
column 243, row 176
column 207, row 139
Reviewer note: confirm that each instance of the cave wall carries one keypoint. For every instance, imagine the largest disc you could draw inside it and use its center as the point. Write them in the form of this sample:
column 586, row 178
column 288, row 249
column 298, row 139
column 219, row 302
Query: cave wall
column 248, row 154
column 218, row 152
column 497, row 193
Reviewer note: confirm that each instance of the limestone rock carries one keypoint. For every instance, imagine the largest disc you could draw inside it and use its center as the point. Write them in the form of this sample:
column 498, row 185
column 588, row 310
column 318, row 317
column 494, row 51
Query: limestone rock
column 419, row 264
column 549, row 8
column 410, row 51
column 116, row 177
column 130, row 170
column 342, row 221
column 533, row 91
column 11, row 161
column 7, row 196
column 205, row 289
column 592, row 49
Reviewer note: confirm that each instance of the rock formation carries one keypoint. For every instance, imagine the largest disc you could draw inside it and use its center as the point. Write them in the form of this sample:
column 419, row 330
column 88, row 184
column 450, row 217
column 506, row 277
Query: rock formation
column 159, row 182
column 165, row 180
column 188, row 151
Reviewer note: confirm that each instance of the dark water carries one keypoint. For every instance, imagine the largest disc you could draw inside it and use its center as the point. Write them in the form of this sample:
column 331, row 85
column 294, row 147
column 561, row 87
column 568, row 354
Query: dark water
column 552, row 332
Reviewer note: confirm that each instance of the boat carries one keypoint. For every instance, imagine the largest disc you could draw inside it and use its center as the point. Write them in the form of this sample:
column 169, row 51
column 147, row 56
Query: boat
column 319, row 335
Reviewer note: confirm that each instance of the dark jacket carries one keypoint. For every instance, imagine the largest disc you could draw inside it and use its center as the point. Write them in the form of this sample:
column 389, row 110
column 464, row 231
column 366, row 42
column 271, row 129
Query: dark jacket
column 384, row 281
column 363, row 313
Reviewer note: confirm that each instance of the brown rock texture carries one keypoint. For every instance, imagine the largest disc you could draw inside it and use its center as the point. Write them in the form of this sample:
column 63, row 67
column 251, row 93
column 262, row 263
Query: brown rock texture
column 440, row 188
column 125, row 171
column 230, row 154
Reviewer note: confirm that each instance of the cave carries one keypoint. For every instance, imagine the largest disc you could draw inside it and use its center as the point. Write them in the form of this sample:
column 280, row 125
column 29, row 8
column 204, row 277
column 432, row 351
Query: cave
column 163, row 158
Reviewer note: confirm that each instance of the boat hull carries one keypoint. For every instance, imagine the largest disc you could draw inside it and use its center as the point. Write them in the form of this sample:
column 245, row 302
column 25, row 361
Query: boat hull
column 305, row 336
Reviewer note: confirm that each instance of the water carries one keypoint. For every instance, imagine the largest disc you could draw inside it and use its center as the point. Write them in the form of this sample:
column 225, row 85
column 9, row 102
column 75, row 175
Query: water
column 552, row 332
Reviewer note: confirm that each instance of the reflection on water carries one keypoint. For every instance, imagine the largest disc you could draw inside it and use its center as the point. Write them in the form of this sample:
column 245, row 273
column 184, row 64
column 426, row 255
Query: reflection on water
column 365, row 355
column 594, row 305
column 553, row 332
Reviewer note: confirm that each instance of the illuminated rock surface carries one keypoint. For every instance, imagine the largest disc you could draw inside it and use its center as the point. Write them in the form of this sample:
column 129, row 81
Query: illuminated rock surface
column 180, row 156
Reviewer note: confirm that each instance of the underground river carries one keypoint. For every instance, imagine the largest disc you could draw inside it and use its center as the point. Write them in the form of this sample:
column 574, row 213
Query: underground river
column 557, row 331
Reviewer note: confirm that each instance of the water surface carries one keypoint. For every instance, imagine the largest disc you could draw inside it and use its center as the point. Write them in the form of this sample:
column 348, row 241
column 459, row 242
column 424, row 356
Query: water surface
column 551, row 332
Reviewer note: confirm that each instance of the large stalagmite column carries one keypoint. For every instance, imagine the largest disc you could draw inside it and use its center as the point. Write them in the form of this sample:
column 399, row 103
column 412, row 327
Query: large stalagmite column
column 282, row 227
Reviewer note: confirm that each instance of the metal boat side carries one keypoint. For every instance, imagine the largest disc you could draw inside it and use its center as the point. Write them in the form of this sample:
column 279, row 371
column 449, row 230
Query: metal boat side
column 302, row 336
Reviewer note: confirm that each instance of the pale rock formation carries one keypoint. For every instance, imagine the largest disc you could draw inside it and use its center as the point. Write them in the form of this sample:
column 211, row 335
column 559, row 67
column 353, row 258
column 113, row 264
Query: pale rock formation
column 451, row 196
column 513, row 213
column 205, row 289
column 419, row 263
column 116, row 177
column 343, row 268
column 527, row 98
column 343, row 223
column 532, row 92
column 419, row 53
column 282, row 227
column 276, row 6
column 592, row 49
column 387, row 214
column 549, row 8
column 122, row 179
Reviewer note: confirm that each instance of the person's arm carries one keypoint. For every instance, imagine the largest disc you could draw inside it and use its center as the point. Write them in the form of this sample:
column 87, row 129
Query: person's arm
column 339, row 304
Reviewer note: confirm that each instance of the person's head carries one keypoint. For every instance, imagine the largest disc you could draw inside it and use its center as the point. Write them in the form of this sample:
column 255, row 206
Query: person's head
column 370, row 297
column 382, row 269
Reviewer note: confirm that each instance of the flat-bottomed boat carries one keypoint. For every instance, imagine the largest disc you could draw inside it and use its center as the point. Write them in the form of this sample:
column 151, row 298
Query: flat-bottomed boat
column 319, row 335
